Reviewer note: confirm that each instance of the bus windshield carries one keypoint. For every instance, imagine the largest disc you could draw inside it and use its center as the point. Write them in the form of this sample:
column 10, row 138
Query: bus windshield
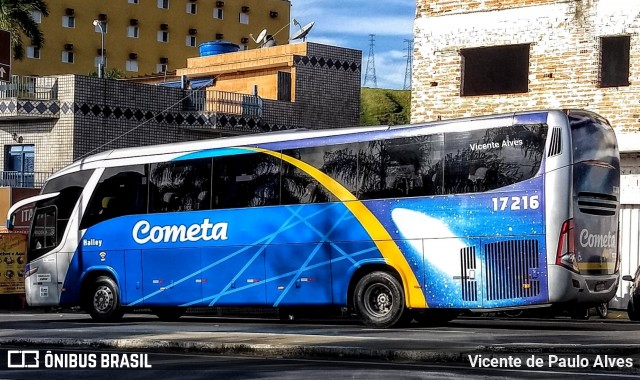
column 51, row 215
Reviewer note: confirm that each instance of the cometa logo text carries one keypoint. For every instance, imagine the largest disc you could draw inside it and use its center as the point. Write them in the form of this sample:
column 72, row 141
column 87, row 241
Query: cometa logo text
column 143, row 232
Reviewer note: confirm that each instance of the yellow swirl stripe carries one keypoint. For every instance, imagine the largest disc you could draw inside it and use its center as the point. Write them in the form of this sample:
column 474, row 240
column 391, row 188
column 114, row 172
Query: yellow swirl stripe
column 413, row 292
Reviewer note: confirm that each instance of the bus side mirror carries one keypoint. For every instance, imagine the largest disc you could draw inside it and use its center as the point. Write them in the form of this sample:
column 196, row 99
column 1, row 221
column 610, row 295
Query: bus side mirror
column 627, row 277
column 11, row 222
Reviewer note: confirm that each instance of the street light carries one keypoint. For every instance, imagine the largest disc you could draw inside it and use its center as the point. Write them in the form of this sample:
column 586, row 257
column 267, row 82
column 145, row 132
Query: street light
column 101, row 65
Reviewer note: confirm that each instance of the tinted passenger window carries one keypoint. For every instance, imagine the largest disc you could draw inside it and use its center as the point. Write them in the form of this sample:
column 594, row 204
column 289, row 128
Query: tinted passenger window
column 246, row 180
column 340, row 162
column 492, row 158
column 403, row 167
column 121, row 191
column 180, row 186
column 298, row 187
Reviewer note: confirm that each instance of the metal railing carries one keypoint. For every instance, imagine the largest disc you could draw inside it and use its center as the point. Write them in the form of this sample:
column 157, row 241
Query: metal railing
column 27, row 87
column 223, row 102
column 21, row 179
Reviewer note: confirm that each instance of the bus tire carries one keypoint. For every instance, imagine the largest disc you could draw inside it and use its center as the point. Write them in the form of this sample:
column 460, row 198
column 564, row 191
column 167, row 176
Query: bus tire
column 379, row 300
column 602, row 310
column 169, row 314
column 103, row 302
column 634, row 315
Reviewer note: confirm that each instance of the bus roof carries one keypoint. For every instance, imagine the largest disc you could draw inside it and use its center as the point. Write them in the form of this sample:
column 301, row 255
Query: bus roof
column 165, row 152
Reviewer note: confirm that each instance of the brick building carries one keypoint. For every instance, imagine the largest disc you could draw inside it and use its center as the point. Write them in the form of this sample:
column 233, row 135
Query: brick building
column 476, row 57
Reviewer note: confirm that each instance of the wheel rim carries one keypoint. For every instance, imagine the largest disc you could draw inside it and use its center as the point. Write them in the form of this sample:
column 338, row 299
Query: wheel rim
column 378, row 300
column 603, row 310
column 103, row 299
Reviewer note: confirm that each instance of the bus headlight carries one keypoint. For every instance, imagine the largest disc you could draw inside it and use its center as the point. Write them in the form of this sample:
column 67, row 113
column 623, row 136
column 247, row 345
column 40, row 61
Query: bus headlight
column 28, row 271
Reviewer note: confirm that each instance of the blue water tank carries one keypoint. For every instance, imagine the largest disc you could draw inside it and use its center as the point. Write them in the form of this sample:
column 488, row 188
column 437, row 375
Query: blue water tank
column 217, row 47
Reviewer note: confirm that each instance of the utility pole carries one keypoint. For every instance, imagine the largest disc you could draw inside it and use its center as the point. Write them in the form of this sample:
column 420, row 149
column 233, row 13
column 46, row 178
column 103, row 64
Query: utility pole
column 370, row 73
column 409, row 67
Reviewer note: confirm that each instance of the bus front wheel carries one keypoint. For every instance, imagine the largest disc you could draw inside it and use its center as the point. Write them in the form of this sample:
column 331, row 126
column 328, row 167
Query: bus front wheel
column 379, row 300
column 103, row 301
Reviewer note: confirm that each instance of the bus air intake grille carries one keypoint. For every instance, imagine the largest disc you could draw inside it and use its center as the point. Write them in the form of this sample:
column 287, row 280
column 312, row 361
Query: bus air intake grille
column 597, row 204
column 555, row 148
column 511, row 269
column 468, row 271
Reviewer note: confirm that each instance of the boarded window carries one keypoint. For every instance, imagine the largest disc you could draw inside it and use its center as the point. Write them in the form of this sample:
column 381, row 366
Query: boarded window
column 614, row 61
column 284, row 86
column 495, row 70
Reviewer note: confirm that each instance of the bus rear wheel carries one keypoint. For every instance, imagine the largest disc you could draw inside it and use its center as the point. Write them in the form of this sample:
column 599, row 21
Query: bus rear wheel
column 379, row 300
column 103, row 301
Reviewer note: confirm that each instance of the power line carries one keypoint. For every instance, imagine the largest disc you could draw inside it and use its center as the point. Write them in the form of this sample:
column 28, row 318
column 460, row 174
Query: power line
column 370, row 73
column 409, row 67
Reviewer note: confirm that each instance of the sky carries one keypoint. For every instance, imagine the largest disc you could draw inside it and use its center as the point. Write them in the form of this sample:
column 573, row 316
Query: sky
column 348, row 23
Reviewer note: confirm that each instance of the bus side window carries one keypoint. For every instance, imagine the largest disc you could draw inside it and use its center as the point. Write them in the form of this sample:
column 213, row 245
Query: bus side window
column 121, row 191
column 401, row 167
column 180, row 185
column 298, row 187
column 246, row 180
column 488, row 159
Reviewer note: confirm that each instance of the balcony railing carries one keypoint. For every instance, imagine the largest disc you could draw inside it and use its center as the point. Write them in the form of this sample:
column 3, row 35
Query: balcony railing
column 26, row 87
column 230, row 103
column 20, row 179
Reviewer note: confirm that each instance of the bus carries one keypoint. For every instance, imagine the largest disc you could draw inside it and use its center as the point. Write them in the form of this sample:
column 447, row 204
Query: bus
column 406, row 222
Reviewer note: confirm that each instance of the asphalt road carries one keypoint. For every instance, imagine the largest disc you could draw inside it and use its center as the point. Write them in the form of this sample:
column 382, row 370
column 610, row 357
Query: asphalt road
column 472, row 347
column 202, row 366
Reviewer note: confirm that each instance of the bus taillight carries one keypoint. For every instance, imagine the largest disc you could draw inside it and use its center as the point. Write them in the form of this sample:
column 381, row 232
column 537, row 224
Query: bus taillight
column 566, row 253
column 618, row 258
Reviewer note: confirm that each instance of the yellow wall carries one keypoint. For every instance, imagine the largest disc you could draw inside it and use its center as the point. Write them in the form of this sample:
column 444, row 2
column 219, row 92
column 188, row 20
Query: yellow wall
column 5, row 202
column 241, row 71
column 86, row 41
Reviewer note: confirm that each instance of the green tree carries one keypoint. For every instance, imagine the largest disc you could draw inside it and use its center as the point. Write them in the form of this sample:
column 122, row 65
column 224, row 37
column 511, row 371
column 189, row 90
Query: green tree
column 110, row 74
column 15, row 16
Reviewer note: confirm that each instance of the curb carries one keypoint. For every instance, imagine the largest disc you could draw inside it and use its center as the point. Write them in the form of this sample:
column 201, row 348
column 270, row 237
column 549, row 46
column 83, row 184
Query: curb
column 325, row 352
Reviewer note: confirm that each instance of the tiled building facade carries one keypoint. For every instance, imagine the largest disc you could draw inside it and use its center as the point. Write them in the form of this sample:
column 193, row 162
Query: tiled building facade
column 303, row 85
column 478, row 57
column 49, row 122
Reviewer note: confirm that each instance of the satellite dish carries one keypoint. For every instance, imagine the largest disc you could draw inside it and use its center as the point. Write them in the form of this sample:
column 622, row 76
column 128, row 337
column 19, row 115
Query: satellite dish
column 269, row 42
column 261, row 36
column 302, row 33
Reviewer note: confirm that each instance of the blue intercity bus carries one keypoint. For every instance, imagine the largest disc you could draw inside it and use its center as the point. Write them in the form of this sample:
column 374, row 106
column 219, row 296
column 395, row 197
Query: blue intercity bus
column 418, row 221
